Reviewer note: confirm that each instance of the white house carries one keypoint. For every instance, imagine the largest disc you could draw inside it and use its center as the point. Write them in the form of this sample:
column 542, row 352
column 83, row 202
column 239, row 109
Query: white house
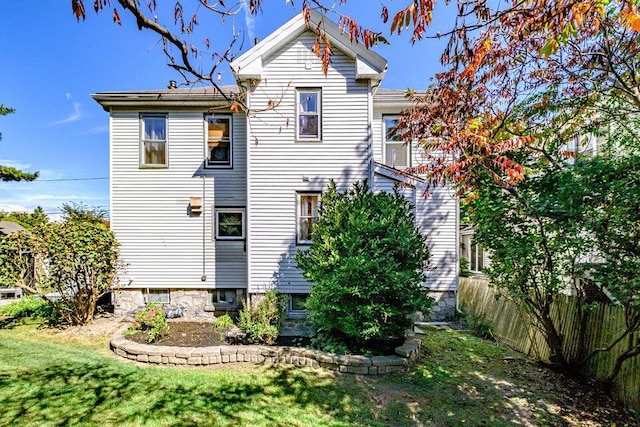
column 210, row 205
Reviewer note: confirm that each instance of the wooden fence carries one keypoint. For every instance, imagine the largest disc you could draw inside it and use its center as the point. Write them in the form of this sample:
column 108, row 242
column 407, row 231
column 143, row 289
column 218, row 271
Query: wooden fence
column 604, row 323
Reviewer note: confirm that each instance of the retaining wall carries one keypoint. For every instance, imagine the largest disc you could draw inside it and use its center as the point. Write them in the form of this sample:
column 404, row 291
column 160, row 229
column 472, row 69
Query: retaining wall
column 260, row 354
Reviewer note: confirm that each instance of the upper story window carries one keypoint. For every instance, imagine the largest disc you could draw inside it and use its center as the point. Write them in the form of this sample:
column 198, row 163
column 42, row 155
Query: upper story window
column 153, row 146
column 308, row 204
column 229, row 223
column 219, row 144
column 396, row 152
column 309, row 114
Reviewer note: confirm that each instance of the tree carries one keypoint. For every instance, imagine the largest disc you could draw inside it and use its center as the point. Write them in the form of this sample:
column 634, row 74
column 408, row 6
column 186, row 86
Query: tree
column 366, row 264
column 8, row 173
column 76, row 262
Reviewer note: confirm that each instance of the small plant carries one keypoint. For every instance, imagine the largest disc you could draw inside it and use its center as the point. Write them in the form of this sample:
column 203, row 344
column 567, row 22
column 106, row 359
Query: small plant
column 328, row 343
column 480, row 326
column 152, row 320
column 464, row 268
column 223, row 324
column 261, row 321
column 30, row 307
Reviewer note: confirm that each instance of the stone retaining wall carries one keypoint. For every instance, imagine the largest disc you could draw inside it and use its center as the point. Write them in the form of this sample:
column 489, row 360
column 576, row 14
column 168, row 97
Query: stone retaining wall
column 199, row 356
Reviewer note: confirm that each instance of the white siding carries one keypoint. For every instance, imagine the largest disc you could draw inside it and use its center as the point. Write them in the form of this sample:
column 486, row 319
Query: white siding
column 437, row 215
column 278, row 163
column 162, row 245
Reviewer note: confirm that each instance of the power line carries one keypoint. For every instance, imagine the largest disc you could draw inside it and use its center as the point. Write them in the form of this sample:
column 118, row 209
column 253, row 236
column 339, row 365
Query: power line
column 72, row 179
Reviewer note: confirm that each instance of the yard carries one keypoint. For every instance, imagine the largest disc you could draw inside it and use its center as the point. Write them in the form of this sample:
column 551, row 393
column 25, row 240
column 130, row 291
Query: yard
column 69, row 377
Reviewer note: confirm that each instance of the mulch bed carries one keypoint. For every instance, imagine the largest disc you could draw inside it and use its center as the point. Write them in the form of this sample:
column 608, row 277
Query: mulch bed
column 199, row 334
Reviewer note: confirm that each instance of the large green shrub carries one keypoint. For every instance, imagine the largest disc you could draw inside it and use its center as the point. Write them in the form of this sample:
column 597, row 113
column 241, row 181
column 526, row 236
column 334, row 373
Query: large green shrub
column 367, row 264
column 69, row 264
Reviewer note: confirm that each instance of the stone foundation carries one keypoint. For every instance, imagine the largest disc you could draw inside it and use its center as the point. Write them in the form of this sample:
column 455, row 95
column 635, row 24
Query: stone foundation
column 297, row 328
column 195, row 302
column 444, row 308
column 199, row 356
column 127, row 300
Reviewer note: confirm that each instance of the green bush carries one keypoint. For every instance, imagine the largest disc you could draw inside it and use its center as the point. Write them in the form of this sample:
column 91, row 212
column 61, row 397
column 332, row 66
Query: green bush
column 222, row 324
column 479, row 326
column 261, row 321
column 152, row 320
column 29, row 307
column 366, row 262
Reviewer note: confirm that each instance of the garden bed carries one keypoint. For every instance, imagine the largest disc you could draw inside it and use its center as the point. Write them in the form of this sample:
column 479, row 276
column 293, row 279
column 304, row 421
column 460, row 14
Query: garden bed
column 163, row 354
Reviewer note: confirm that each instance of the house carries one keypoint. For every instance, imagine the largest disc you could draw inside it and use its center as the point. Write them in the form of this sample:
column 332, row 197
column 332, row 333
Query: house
column 210, row 205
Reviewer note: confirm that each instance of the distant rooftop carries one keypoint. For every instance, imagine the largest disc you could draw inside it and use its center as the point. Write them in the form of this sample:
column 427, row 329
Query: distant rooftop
column 10, row 227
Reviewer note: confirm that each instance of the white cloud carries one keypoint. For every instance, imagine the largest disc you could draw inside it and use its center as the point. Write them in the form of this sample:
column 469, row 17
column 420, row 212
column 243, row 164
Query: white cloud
column 249, row 19
column 14, row 164
column 75, row 116
column 67, row 95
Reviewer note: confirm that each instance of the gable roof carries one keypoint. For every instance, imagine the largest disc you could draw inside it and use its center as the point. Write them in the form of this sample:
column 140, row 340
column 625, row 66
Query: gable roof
column 10, row 227
column 369, row 65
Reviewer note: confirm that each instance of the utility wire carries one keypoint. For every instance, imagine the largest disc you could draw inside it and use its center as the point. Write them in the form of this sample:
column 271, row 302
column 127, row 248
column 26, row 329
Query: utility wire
column 72, row 179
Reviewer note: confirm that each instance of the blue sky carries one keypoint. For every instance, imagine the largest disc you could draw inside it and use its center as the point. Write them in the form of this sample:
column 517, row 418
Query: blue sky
column 50, row 64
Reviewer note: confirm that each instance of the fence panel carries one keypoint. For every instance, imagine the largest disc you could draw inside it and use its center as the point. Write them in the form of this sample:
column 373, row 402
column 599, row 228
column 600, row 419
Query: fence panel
column 603, row 324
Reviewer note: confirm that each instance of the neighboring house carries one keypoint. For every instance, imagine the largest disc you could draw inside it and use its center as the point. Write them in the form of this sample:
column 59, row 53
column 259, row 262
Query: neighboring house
column 476, row 256
column 9, row 227
column 210, row 206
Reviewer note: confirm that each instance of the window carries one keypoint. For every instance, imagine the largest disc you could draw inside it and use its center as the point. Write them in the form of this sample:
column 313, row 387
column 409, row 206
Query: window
column 308, row 112
column 218, row 141
column 396, row 152
column 229, row 223
column 297, row 302
column 307, row 213
column 154, row 140
column 226, row 297
column 157, row 296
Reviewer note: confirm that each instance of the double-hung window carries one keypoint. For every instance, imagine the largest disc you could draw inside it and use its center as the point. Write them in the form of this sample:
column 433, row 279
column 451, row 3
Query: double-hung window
column 308, row 114
column 308, row 204
column 153, row 146
column 396, row 152
column 229, row 223
column 219, row 144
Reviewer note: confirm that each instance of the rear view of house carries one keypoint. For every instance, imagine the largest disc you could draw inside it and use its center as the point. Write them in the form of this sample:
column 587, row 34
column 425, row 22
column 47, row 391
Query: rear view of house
column 210, row 205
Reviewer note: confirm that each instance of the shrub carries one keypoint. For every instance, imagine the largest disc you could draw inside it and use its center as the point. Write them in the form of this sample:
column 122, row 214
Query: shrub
column 29, row 307
column 152, row 320
column 261, row 321
column 366, row 262
column 223, row 324
column 82, row 264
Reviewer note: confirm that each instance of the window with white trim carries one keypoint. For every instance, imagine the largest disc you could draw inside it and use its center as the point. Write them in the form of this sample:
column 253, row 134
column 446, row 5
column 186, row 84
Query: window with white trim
column 308, row 204
column 396, row 152
column 219, row 144
column 157, row 296
column 153, row 140
column 308, row 111
column 229, row 223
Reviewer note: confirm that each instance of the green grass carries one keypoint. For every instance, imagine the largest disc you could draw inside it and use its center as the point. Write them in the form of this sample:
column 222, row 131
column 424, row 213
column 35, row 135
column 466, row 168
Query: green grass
column 50, row 379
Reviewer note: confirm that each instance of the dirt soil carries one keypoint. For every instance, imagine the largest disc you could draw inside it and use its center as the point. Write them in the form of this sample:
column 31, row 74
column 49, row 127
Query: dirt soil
column 200, row 334
column 184, row 334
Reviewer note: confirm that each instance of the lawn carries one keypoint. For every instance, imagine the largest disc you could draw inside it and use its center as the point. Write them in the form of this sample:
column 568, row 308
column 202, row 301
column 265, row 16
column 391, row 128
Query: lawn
column 52, row 378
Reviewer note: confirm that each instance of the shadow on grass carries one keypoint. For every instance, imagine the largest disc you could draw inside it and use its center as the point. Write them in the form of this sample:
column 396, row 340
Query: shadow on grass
column 117, row 394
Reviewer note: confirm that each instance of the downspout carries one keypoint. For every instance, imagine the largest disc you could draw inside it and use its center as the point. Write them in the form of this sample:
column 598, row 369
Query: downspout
column 204, row 230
